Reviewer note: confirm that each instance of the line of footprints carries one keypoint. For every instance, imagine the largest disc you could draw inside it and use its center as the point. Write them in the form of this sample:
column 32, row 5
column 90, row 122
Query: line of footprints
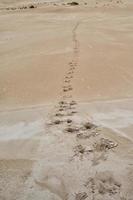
column 66, row 109
column 64, row 116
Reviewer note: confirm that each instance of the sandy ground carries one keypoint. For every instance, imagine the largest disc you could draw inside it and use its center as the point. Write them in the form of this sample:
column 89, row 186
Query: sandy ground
column 66, row 100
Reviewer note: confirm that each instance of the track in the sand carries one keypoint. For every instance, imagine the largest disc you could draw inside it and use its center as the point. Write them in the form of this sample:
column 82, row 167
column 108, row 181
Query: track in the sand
column 62, row 117
column 66, row 107
column 67, row 88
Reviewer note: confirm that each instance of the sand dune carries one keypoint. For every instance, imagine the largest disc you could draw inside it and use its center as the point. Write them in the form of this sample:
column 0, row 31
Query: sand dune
column 66, row 100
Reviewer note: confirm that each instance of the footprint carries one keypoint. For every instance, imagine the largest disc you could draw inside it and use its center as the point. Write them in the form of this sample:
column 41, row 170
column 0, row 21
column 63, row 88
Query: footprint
column 70, row 72
column 81, row 196
column 103, row 185
column 67, row 81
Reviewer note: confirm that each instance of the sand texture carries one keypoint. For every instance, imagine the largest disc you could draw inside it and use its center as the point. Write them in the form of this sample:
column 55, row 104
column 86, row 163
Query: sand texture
column 66, row 100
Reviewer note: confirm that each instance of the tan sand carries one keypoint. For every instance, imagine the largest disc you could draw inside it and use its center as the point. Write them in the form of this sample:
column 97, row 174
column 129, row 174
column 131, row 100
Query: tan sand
column 66, row 100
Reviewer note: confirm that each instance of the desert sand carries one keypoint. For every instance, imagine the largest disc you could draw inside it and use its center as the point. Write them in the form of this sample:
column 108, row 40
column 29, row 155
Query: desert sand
column 66, row 100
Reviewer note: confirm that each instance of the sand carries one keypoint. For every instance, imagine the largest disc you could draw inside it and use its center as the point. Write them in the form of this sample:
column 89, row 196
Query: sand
column 66, row 100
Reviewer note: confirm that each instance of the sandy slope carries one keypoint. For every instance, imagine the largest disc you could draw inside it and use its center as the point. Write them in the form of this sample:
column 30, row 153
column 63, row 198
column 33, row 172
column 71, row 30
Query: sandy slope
column 37, row 45
column 60, row 68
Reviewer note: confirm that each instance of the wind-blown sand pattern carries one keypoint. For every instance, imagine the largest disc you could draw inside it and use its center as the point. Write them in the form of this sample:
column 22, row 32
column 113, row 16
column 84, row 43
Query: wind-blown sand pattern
column 66, row 100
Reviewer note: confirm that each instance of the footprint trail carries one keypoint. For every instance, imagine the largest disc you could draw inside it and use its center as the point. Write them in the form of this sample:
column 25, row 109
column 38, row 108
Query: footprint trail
column 61, row 120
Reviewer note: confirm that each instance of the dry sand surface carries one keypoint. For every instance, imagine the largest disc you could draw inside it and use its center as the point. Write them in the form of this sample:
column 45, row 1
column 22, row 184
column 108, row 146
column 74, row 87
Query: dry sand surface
column 66, row 100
